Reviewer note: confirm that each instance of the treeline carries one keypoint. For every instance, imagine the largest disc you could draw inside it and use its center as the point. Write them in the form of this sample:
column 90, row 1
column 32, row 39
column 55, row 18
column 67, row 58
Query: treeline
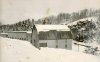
column 24, row 25
column 83, row 31
column 66, row 17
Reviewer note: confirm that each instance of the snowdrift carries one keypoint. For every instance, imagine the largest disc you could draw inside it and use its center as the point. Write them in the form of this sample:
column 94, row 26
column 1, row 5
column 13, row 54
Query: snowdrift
column 13, row 50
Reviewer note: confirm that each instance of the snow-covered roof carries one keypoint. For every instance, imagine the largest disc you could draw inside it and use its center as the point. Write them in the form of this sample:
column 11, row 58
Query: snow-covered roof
column 3, row 33
column 48, row 28
column 18, row 31
column 52, row 27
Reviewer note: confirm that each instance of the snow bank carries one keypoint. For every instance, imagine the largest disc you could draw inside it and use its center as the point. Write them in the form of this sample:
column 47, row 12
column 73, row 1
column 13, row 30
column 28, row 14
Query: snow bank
column 22, row 51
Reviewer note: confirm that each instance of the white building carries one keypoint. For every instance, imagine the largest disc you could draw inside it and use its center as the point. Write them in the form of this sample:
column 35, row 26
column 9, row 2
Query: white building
column 54, row 36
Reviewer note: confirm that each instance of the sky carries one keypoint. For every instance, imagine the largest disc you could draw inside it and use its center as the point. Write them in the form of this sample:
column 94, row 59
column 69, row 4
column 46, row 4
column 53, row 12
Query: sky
column 12, row 11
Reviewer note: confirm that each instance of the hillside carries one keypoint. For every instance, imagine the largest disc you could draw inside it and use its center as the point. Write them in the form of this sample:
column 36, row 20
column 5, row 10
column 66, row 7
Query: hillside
column 86, row 27
column 13, row 50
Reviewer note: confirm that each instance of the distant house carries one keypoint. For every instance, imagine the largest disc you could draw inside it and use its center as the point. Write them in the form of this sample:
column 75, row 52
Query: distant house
column 52, row 36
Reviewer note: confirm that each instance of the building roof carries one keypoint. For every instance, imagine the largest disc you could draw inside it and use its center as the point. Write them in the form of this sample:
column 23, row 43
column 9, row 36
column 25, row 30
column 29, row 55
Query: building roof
column 43, row 28
column 3, row 33
column 52, row 27
column 17, row 31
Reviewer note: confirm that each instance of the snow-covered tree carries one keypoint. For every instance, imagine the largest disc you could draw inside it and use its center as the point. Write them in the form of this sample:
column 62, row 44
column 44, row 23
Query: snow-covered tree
column 83, row 30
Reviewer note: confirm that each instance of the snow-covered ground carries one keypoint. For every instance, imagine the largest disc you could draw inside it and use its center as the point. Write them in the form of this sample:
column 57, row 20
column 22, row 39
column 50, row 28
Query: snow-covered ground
column 82, row 48
column 13, row 50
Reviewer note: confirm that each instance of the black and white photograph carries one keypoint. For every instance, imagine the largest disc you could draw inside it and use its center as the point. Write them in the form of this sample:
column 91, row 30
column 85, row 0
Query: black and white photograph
column 49, row 30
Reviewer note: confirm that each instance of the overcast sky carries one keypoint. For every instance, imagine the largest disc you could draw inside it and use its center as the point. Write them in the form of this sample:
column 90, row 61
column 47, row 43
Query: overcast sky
column 17, row 10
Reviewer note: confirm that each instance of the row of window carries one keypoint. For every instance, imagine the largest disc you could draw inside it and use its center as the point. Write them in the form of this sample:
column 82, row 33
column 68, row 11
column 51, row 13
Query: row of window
column 65, row 46
column 45, row 45
column 18, row 38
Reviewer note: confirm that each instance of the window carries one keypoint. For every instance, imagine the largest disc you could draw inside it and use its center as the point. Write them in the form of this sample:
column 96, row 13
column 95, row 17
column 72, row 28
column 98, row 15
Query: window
column 20, row 39
column 66, row 43
column 43, row 44
column 65, row 46
column 56, row 46
column 31, row 41
column 24, row 38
